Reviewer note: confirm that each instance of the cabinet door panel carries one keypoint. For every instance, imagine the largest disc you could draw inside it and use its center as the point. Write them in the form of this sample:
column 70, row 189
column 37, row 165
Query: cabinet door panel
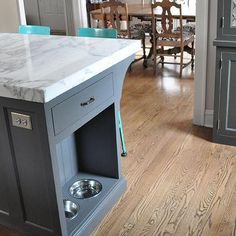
column 31, row 11
column 227, row 111
column 10, row 204
column 52, row 14
column 229, row 27
column 32, row 174
column 27, row 192
column 4, row 208
column 226, row 19
column 46, row 12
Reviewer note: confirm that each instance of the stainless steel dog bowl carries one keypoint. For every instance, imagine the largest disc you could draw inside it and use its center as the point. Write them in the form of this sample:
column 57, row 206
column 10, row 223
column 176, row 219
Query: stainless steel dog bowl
column 85, row 188
column 71, row 209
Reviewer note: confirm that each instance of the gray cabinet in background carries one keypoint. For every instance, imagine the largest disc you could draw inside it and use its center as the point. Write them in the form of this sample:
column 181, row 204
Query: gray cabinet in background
column 46, row 12
column 226, row 19
column 225, row 85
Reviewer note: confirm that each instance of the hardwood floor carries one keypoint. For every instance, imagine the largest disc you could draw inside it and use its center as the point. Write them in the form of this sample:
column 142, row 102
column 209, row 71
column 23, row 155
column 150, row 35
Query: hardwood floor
column 179, row 182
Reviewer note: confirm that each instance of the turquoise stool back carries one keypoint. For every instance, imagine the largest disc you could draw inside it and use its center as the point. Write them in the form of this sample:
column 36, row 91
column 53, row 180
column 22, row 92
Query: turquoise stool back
column 34, row 29
column 98, row 33
column 105, row 33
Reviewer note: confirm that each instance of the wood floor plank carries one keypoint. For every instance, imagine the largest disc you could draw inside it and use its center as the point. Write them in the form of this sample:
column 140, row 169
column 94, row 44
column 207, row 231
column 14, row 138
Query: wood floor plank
column 169, row 197
column 227, row 225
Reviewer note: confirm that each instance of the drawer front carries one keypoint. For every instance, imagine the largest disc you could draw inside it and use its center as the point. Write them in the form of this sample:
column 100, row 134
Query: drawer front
column 77, row 106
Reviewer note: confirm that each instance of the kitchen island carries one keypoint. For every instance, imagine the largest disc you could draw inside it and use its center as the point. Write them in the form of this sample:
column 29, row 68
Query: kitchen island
column 59, row 133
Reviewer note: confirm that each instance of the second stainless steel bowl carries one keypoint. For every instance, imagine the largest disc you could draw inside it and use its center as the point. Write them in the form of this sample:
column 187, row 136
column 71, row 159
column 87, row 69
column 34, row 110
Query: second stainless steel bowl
column 85, row 188
column 71, row 209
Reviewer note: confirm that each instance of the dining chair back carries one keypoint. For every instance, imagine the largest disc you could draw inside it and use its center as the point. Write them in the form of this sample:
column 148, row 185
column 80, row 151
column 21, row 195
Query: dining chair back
column 96, row 32
column 167, row 19
column 105, row 33
column 165, row 35
column 34, row 29
column 115, row 15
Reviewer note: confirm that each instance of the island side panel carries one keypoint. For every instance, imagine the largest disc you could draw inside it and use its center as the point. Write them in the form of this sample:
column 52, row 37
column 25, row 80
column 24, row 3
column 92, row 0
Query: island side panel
column 33, row 170
column 120, row 70
column 65, row 161
column 89, row 136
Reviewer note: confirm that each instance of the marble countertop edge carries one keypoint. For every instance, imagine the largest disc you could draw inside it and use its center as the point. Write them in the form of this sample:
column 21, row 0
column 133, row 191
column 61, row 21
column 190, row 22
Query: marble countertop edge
column 28, row 71
column 59, row 88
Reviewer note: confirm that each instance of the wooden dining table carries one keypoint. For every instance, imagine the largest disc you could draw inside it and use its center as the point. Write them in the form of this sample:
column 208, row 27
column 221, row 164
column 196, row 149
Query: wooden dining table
column 144, row 12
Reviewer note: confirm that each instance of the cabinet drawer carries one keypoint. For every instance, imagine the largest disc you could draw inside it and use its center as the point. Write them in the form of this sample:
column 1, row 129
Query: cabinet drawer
column 80, row 104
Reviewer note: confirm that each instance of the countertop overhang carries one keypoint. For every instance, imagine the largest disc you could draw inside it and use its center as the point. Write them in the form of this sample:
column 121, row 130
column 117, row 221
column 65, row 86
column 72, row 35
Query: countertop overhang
column 40, row 68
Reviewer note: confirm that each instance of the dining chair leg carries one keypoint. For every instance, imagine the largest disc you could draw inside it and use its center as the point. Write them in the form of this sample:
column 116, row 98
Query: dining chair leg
column 192, row 59
column 124, row 151
column 181, row 61
column 154, row 58
column 144, row 47
column 154, row 62
column 154, row 46
column 162, row 57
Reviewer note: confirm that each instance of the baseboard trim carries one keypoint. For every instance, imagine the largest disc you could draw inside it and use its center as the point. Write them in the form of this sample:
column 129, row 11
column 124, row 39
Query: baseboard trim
column 208, row 121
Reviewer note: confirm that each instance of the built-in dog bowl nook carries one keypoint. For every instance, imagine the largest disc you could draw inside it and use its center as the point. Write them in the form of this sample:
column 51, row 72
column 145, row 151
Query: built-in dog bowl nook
column 89, row 169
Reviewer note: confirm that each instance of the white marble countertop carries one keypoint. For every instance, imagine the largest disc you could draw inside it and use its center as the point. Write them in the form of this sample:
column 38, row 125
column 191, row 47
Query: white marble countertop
column 40, row 68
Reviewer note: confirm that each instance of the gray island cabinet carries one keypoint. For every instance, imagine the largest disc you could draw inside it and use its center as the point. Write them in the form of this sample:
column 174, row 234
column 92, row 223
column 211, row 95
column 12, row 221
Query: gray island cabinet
column 59, row 133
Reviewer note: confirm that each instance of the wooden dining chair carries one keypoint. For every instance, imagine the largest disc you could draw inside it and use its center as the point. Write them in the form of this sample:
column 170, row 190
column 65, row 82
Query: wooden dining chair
column 168, row 41
column 115, row 15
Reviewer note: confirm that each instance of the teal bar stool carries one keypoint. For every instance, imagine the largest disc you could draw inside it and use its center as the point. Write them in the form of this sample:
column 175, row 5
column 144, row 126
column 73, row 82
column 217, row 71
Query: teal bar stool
column 98, row 33
column 105, row 33
column 34, row 29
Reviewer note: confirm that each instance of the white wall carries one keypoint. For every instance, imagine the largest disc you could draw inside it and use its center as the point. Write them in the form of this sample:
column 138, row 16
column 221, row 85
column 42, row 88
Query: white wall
column 211, row 52
column 21, row 7
column 211, row 62
column 80, row 13
column 200, row 61
column 9, row 16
